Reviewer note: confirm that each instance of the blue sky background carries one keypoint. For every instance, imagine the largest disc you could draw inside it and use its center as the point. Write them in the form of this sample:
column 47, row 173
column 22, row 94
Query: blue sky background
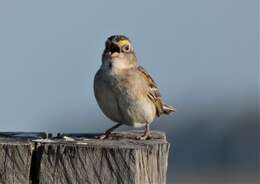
column 203, row 54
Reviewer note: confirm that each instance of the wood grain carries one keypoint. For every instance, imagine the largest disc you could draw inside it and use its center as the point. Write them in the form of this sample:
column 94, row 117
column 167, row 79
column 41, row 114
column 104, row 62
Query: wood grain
column 15, row 161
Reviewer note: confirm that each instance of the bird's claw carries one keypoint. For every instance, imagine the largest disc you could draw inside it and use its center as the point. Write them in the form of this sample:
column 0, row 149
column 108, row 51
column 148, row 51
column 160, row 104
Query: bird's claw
column 103, row 136
column 144, row 137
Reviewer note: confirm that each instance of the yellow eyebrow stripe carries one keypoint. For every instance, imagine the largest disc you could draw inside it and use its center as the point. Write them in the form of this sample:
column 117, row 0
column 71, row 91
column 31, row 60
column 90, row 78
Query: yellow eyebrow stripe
column 123, row 42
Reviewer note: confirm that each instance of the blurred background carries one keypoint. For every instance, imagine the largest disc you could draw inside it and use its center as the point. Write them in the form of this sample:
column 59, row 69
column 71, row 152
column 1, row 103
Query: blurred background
column 203, row 54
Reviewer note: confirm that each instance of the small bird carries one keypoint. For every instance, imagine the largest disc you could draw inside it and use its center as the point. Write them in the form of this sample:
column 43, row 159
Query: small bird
column 124, row 91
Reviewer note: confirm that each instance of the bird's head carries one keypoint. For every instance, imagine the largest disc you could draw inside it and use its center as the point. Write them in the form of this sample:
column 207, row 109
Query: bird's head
column 119, row 52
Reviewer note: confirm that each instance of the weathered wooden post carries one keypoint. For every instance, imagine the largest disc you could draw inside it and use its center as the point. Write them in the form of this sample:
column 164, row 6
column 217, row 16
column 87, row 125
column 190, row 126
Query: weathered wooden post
column 120, row 159
column 15, row 161
column 15, row 156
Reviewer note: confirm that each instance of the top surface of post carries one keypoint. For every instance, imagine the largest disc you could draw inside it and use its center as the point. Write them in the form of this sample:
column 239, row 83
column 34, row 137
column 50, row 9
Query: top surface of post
column 115, row 140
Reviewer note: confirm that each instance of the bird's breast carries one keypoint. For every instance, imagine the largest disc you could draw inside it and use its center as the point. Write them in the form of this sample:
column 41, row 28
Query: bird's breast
column 122, row 97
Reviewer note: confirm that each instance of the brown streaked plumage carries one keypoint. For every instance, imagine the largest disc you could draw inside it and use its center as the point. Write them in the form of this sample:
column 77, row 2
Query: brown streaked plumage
column 154, row 95
column 125, row 92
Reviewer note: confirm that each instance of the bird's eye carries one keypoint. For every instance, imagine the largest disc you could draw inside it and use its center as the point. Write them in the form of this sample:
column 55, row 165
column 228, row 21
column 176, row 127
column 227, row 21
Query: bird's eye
column 126, row 48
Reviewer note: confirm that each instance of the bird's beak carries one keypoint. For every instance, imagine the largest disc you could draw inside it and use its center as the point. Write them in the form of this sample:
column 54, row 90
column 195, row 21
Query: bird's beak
column 114, row 48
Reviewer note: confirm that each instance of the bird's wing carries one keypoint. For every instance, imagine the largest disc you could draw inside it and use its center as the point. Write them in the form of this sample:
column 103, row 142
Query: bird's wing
column 154, row 95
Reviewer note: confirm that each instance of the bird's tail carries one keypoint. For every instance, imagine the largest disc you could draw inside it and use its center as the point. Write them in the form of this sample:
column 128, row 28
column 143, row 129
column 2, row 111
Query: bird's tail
column 168, row 109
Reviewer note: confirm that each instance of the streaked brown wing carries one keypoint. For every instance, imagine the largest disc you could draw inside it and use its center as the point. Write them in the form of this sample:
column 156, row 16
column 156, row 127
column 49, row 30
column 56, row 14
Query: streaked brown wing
column 153, row 92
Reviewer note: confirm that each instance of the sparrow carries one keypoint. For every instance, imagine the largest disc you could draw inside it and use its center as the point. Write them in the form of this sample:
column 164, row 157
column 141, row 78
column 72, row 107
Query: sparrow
column 124, row 91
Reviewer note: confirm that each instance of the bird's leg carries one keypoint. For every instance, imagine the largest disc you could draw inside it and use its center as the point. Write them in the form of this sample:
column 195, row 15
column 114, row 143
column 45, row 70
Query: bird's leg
column 146, row 134
column 108, row 132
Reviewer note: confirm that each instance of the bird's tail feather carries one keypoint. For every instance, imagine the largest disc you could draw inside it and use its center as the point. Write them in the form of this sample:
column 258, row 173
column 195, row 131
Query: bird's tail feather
column 167, row 109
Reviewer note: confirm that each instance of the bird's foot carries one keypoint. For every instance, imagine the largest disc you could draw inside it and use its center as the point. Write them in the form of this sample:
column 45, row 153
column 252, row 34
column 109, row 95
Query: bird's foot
column 144, row 137
column 103, row 136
